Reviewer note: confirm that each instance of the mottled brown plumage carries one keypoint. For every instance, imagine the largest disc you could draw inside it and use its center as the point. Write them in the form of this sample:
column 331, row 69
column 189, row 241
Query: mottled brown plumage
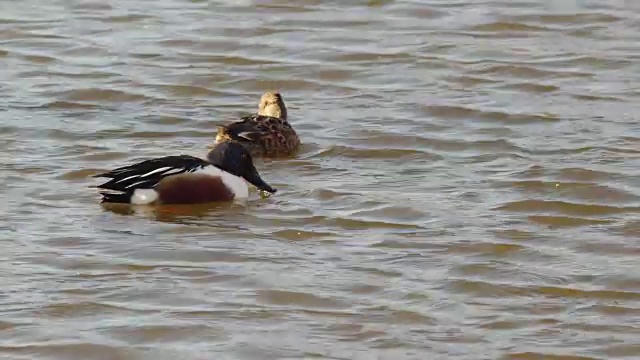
column 267, row 133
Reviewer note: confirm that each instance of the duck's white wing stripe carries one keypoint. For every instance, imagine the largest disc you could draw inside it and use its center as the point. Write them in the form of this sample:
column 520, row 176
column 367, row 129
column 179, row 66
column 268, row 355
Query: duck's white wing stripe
column 127, row 178
column 162, row 169
column 167, row 171
column 174, row 171
column 136, row 184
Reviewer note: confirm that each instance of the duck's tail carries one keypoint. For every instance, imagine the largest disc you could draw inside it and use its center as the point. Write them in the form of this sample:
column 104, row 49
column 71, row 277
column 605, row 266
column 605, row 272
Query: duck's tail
column 116, row 198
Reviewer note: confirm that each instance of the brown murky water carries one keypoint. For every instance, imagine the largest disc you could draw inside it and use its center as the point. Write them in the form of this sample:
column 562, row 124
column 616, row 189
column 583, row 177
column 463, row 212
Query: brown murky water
column 469, row 186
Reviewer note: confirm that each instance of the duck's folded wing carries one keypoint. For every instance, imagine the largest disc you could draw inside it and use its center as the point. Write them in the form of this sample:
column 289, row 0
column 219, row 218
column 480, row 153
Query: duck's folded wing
column 246, row 130
column 147, row 174
column 256, row 127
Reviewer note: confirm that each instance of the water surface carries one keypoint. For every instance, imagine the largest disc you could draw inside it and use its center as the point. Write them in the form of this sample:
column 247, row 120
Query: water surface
column 468, row 187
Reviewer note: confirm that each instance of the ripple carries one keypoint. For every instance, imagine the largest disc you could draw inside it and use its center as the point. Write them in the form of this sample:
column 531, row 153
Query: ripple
column 596, row 98
column 580, row 174
column 80, row 309
column 15, row 34
column 528, row 72
column 629, row 350
column 301, row 235
column 538, row 355
column 577, row 190
column 566, row 221
column 165, row 134
column 468, row 177
column 92, row 6
column 129, row 18
column 102, row 95
column 299, row 299
column 508, row 27
column 612, row 249
column 101, row 156
column 487, row 289
column 391, row 244
column 251, row 84
column 487, row 248
column 471, row 80
column 164, row 334
column 562, row 207
column 93, row 74
column 7, row 325
column 68, row 105
column 533, row 88
column 631, row 229
column 590, row 294
column 569, row 174
column 157, row 258
column 78, row 175
column 459, row 112
column 370, row 58
column 354, row 332
column 222, row 59
column 515, row 325
column 166, row 120
column 186, row 91
column 70, row 350
column 615, row 310
column 39, row 59
column 573, row 19
column 355, row 224
column 373, row 153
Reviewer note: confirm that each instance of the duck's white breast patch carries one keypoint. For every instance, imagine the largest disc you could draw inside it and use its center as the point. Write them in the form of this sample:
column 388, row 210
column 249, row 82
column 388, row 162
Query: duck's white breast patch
column 143, row 196
column 237, row 185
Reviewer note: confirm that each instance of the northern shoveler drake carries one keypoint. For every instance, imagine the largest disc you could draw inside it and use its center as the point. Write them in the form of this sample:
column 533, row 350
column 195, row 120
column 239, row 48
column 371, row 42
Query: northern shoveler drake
column 185, row 179
column 266, row 133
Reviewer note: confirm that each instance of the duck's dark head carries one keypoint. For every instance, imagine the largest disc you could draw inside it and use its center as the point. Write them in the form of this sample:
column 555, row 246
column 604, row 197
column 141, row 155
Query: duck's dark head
column 235, row 159
column 272, row 104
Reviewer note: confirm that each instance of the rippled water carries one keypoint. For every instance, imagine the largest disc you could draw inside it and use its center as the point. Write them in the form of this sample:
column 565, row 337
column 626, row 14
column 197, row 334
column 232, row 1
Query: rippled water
column 469, row 186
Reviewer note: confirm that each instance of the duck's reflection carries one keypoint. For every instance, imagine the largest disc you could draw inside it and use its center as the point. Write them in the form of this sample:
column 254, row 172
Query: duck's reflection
column 181, row 213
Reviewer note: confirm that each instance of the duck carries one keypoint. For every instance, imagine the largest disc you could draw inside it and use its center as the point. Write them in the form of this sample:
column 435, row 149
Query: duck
column 266, row 133
column 184, row 179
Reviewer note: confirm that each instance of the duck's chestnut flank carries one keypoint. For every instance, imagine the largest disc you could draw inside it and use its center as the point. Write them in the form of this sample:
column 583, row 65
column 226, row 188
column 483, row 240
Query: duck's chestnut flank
column 193, row 189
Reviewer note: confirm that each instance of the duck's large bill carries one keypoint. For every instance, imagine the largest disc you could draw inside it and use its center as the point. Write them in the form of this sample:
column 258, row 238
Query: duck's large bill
column 254, row 179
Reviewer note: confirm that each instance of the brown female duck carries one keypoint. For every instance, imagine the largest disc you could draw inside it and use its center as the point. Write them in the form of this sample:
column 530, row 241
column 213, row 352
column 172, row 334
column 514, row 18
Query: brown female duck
column 266, row 133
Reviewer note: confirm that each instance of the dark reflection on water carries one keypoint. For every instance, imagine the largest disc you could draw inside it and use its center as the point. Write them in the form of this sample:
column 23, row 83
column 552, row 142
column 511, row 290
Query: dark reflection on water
column 468, row 186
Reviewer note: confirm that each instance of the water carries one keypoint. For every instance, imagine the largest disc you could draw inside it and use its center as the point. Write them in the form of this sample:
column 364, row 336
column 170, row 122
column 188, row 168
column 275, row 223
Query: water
column 468, row 187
